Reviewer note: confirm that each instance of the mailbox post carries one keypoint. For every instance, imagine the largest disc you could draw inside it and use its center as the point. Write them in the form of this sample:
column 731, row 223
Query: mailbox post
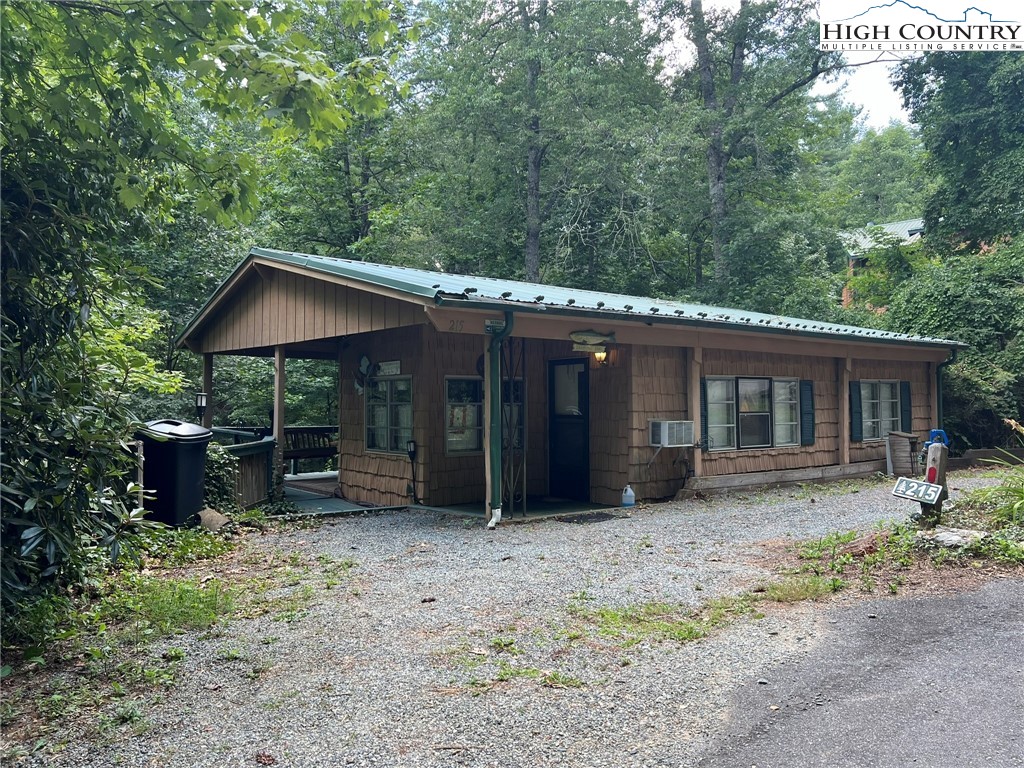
column 935, row 472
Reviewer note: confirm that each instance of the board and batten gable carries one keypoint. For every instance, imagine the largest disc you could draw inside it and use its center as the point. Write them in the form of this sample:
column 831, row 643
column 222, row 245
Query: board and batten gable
column 271, row 307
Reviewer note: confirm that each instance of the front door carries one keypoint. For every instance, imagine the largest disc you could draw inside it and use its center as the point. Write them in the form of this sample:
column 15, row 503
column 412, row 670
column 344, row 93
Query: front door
column 570, row 429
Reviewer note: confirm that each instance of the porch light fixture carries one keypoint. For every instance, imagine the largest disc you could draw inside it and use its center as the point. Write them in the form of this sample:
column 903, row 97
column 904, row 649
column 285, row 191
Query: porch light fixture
column 201, row 402
column 601, row 357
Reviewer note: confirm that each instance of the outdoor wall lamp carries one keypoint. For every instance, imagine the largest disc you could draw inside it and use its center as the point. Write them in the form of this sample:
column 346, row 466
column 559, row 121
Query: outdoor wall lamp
column 201, row 401
column 601, row 357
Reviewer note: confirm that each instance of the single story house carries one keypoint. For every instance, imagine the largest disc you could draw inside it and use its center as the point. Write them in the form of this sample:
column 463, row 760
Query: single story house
column 502, row 390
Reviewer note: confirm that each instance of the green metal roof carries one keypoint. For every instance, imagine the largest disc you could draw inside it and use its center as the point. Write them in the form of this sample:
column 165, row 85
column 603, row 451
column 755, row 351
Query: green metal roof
column 866, row 238
column 512, row 295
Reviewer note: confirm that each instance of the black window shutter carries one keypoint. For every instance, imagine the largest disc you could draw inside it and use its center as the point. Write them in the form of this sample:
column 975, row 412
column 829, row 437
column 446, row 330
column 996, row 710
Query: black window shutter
column 704, row 413
column 806, row 412
column 856, row 415
column 906, row 414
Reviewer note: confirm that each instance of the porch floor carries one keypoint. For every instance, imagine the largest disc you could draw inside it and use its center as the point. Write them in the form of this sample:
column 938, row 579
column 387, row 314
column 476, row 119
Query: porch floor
column 313, row 493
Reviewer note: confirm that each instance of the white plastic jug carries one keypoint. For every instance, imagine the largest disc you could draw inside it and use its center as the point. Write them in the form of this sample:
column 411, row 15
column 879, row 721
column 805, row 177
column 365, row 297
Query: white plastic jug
column 628, row 497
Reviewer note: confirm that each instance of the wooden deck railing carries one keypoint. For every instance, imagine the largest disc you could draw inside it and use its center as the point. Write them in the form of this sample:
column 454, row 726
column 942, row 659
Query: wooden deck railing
column 254, row 482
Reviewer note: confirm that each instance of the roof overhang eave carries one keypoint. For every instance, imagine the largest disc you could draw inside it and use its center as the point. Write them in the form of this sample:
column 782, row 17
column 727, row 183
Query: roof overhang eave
column 456, row 302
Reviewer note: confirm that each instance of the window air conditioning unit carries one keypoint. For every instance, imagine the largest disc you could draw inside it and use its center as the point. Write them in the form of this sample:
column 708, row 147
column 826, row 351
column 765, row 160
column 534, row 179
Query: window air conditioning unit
column 671, row 434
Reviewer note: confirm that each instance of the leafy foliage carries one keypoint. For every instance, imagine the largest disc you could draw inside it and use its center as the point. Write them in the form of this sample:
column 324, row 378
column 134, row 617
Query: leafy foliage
column 94, row 159
column 219, row 480
column 968, row 107
column 977, row 298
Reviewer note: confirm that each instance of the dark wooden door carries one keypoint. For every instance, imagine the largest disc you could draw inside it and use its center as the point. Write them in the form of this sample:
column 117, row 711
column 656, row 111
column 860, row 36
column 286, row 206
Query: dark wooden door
column 568, row 394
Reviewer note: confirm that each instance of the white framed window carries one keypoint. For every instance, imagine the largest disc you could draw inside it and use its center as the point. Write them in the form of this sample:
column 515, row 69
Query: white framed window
column 880, row 408
column 388, row 414
column 754, row 397
column 464, row 415
column 749, row 412
column 721, row 413
column 786, row 411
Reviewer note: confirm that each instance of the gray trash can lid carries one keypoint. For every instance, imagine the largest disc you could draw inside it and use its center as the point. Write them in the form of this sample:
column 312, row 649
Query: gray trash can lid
column 176, row 431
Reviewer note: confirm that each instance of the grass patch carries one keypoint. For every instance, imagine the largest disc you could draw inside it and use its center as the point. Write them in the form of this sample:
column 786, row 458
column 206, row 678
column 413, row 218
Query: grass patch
column 658, row 621
column 794, row 589
column 173, row 547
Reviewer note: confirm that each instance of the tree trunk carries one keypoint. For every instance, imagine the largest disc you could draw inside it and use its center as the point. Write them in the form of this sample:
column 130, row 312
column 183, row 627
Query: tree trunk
column 534, row 142
column 718, row 114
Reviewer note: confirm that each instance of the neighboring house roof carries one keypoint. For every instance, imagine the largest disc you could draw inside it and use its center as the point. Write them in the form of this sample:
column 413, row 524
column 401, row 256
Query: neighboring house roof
column 469, row 292
column 863, row 239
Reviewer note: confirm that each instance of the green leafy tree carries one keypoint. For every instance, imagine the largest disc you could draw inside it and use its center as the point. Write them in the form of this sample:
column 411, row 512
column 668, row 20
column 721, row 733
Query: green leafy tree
column 977, row 298
column 969, row 108
column 524, row 141
column 94, row 158
column 749, row 84
column 882, row 179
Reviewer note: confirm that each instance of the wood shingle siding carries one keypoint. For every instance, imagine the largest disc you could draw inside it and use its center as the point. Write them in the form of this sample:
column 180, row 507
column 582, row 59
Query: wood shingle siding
column 286, row 308
column 922, row 384
column 820, row 370
column 658, row 391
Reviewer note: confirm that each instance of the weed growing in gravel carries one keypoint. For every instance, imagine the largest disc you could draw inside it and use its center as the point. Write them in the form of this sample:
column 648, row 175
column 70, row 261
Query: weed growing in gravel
column 505, row 645
column 559, row 680
column 657, row 621
column 507, row 671
column 794, row 589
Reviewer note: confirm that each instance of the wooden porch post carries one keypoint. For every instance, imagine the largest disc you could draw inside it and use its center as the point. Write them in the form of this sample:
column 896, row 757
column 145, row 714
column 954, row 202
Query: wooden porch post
column 843, row 364
column 279, row 385
column 693, row 388
column 208, row 388
column 488, row 470
column 341, row 393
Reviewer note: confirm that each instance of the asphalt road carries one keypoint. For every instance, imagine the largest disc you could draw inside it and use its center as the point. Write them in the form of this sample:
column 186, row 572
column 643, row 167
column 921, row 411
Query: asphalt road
column 936, row 682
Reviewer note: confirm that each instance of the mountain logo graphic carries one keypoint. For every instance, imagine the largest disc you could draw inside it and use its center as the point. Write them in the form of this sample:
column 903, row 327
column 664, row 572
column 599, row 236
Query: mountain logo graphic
column 903, row 5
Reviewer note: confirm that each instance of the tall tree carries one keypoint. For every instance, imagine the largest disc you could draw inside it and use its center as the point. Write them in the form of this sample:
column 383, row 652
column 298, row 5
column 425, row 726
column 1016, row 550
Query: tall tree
column 525, row 134
column 969, row 108
column 750, row 79
column 883, row 178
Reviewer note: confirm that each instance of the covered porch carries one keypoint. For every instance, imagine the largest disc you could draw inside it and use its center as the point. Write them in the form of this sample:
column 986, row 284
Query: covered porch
column 477, row 412
column 314, row 494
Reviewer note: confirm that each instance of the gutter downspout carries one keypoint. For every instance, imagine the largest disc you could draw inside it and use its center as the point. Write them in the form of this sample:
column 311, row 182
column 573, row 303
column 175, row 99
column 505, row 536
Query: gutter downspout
column 494, row 396
column 938, row 382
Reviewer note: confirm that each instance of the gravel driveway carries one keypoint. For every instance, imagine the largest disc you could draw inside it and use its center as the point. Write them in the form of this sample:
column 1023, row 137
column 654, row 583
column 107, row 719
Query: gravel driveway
column 414, row 639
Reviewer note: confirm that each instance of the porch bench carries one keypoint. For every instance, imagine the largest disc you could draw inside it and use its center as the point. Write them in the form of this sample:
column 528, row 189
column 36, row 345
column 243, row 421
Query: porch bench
column 308, row 443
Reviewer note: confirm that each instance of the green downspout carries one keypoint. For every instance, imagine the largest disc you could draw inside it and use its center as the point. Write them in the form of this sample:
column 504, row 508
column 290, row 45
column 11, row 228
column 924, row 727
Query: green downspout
column 494, row 395
column 938, row 382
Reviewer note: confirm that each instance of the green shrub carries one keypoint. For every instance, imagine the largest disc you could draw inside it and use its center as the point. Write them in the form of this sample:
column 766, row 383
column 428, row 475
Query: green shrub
column 219, row 481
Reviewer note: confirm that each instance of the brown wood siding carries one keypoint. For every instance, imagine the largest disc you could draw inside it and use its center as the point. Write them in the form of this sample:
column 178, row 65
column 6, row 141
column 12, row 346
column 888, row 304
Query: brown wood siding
column 291, row 308
column 610, row 400
column 381, row 478
column 658, row 391
column 921, row 385
column 456, row 478
column 822, row 371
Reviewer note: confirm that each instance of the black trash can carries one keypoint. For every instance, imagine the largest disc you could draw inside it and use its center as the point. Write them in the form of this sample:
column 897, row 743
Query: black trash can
column 174, row 465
